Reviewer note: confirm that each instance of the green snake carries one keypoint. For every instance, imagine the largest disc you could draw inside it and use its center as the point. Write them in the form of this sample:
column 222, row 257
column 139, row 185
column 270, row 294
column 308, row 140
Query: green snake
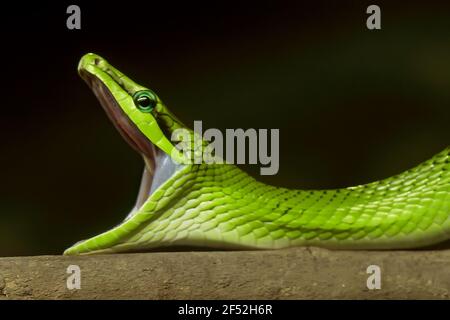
column 220, row 206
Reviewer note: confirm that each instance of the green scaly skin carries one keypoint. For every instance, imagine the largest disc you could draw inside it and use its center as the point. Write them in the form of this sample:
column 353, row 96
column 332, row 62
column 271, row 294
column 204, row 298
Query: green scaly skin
column 220, row 206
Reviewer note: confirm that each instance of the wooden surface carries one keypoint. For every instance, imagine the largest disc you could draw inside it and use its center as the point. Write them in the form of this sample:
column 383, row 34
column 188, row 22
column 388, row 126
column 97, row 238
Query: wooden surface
column 300, row 273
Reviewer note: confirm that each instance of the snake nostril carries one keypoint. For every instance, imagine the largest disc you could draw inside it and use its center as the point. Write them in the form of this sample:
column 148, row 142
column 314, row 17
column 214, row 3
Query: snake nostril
column 96, row 61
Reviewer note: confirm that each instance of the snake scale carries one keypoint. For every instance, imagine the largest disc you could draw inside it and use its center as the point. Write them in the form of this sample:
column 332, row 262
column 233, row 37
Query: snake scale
column 221, row 206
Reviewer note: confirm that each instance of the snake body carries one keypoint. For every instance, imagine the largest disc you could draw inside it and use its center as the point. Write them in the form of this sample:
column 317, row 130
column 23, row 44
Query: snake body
column 221, row 206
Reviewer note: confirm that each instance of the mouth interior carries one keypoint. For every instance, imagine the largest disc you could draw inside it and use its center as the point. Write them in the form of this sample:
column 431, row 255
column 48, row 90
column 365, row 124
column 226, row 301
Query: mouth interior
column 158, row 165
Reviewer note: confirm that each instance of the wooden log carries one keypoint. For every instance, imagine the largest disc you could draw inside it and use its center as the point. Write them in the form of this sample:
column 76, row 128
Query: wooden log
column 299, row 273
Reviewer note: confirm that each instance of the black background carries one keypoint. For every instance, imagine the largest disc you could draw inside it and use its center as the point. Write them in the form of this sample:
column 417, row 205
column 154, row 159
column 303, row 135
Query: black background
column 352, row 105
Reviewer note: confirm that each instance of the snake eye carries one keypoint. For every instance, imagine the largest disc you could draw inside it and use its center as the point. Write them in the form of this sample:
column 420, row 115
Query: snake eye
column 144, row 100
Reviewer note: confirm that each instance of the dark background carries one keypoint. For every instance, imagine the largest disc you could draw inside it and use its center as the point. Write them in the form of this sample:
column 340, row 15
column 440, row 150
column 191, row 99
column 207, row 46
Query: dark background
column 352, row 105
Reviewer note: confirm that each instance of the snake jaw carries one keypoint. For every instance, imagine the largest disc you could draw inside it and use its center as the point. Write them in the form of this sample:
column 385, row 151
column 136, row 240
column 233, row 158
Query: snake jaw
column 159, row 166
column 102, row 79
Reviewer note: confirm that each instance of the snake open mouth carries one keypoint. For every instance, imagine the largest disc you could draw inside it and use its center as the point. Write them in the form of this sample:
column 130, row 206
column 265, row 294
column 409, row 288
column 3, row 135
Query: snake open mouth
column 158, row 165
column 128, row 131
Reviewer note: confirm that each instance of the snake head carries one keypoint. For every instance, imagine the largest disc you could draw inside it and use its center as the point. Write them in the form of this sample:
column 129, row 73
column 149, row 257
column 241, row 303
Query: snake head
column 145, row 123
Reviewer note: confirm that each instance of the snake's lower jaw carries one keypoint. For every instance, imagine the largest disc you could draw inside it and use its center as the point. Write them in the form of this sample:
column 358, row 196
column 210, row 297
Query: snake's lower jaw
column 162, row 169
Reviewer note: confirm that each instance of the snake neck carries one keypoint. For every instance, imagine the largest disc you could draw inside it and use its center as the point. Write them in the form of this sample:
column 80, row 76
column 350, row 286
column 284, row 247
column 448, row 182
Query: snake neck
column 221, row 206
column 224, row 199
column 213, row 185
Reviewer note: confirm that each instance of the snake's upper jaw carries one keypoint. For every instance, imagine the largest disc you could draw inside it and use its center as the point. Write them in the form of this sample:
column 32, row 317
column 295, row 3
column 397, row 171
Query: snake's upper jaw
column 124, row 125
